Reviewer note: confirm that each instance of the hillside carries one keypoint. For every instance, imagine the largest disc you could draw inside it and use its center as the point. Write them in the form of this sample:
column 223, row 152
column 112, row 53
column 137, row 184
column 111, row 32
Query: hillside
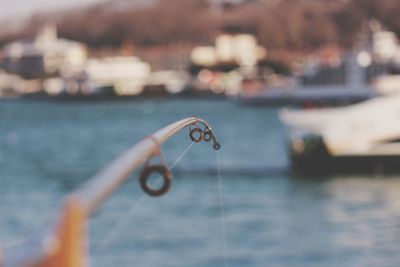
column 295, row 24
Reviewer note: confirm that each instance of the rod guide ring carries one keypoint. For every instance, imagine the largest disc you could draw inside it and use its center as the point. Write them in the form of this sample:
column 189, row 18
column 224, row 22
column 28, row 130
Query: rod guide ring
column 217, row 146
column 208, row 136
column 145, row 175
column 194, row 132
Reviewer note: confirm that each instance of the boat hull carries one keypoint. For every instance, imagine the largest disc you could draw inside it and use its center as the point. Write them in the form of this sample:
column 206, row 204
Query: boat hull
column 331, row 96
column 318, row 160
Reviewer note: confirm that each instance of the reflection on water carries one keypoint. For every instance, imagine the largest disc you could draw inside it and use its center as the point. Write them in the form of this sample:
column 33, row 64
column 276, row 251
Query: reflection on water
column 272, row 218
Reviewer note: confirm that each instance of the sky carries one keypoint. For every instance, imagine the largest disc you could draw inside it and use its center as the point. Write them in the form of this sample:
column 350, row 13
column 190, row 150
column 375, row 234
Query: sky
column 23, row 8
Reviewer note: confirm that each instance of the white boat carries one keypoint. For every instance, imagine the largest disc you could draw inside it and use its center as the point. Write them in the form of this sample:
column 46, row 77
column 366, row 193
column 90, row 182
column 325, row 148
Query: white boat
column 363, row 136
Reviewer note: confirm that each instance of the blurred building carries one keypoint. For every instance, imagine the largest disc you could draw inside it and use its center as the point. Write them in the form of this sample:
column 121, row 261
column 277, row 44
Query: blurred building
column 8, row 82
column 111, row 75
column 44, row 56
column 221, row 68
column 381, row 43
column 385, row 45
column 172, row 57
column 241, row 49
column 121, row 76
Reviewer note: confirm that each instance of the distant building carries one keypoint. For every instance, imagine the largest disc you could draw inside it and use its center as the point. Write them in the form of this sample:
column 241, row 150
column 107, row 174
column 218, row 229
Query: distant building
column 241, row 49
column 221, row 68
column 385, row 45
column 172, row 57
column 120, row 75
column 44, row 56
column 8, row 82
column 381, row 43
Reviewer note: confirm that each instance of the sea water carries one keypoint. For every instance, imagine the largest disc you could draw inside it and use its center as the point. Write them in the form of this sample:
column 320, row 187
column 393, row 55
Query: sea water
column 272, row 217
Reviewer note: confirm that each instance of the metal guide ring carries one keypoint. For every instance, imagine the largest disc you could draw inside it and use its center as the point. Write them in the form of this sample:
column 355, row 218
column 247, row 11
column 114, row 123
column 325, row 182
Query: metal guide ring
column 147, row 172
column 193, row 137
column 217, row 146
column 208, row 136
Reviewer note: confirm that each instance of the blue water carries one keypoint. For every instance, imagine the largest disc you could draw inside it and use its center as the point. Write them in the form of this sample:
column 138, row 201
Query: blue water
column 272, row 217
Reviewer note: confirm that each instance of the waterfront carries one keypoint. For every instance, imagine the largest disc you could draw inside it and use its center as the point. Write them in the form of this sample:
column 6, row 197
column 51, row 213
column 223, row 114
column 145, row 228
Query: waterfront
column 272, row 217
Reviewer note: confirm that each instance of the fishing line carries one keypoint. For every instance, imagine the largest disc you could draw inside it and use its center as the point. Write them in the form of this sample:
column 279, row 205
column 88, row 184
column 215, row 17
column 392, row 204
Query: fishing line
column 222, row 211
column 124, row 220
column 181, row 156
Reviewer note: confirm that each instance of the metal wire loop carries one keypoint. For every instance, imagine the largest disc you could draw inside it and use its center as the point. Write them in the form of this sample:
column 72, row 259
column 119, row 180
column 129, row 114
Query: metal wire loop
column 208, row 135
column 194, row 132
column 145, row 175
column 217, row 146
column 197, row 134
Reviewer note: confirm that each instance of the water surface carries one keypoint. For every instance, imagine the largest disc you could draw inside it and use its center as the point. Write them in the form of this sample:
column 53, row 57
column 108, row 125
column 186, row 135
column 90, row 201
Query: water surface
column 272, row 218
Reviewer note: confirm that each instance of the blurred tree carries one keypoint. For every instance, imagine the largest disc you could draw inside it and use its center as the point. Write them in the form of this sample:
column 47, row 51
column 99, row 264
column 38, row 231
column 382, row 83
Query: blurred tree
column 296, row 24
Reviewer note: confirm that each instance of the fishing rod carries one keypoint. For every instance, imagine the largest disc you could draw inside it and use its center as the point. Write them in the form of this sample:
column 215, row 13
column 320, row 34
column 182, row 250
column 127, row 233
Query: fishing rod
column 64, row 243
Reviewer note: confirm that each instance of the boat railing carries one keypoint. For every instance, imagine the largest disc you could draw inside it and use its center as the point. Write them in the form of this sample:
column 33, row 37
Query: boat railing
column 64, row 242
